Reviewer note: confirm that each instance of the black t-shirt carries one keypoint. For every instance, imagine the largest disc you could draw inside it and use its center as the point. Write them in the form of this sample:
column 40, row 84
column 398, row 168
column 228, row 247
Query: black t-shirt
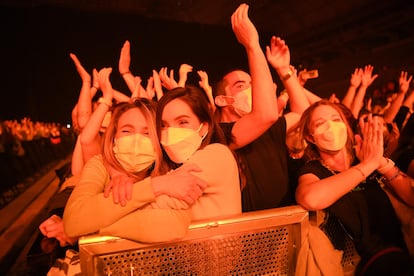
column 404, row 158
column 366, row 214
column 266, row 169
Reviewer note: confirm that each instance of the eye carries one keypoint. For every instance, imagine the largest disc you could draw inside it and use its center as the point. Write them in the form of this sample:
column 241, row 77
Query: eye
column 183, row 123
column 319, row 123
column 145, row 131
column 164, row 125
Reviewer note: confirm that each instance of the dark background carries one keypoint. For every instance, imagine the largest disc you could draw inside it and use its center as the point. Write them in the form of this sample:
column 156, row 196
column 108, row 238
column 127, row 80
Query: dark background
column 40, row 81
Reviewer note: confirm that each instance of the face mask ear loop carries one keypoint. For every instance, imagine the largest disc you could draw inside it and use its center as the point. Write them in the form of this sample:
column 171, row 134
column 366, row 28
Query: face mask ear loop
column 198, row 131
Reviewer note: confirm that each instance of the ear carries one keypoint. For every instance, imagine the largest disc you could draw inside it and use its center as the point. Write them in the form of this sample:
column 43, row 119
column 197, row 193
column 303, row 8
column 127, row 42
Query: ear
column 309, row 138
column 220, row 100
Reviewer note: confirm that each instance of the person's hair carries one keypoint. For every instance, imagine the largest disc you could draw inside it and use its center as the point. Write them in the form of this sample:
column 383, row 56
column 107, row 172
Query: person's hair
column 148, row 110
column 199, row 105
column 406, row 140
column 311, row 151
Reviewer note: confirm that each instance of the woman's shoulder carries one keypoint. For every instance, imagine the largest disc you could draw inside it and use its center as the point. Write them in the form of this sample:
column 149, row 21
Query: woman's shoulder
column 96, row 159
column 217, row 147
column 95, row 162
column 214, row 152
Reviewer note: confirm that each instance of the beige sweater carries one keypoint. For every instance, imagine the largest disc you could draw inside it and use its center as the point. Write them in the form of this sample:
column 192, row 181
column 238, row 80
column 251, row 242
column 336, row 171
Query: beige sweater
column 148, row 218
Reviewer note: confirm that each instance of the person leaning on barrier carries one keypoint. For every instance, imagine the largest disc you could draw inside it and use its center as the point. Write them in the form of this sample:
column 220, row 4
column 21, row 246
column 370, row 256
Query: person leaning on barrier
column 190, row 137
column 349, row 178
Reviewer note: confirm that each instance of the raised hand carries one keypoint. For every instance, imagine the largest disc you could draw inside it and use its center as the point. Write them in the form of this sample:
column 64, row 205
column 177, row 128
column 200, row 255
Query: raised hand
column 333, row 98
column 356, row 77
column 203, row 80
column 85, row 76
column 157, row 84
column 183, row 72
column 95, row 75
column 125, row 58
column 150, row 88
column 370, row 147
column 167, row 81
column 367, row 78
column 203, row 83
column 278, row 54
column 105, row 83
column 137, row 92
column 243, row 28
column 404, row 82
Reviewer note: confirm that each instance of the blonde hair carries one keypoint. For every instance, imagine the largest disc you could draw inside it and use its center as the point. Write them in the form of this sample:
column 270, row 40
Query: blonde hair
column 148, row 110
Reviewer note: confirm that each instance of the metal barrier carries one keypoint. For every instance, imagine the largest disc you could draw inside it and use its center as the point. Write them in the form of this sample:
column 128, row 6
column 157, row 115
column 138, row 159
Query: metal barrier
column 339, row 239
column 256, row 243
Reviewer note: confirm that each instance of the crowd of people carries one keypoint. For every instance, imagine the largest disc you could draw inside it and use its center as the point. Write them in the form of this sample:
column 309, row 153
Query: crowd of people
column 156, row 158
column 25, row 148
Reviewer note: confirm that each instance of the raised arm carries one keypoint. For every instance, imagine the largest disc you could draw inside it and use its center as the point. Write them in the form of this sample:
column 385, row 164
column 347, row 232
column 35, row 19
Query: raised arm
column 183, row 74
column 204, row 84
column 404, row 83
column 157, row 85
column 167, row 80
column 89, row 137
column 278, row 55
column 82, row 111
column 354, row 83
column 366, row 80
column 264, row 105
column 83, row 107
column 120, row 97
column 124, row 64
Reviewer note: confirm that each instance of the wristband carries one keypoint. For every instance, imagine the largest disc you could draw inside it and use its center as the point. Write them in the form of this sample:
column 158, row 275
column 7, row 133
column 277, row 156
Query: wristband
column 386, row 167
column 362, row 173
column 105, row 101
column 287, row 76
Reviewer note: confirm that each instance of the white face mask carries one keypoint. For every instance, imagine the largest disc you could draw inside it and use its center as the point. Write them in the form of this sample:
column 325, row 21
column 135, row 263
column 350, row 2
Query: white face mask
column 181, row 143
column 241, row 102
column 331, row 135
column 135, row 152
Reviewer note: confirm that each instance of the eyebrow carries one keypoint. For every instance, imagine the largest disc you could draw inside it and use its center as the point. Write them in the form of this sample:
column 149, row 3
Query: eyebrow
column 177, row 118
column 140, row 128
column 181, row 117
column 126, row 125
column 237, row 82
